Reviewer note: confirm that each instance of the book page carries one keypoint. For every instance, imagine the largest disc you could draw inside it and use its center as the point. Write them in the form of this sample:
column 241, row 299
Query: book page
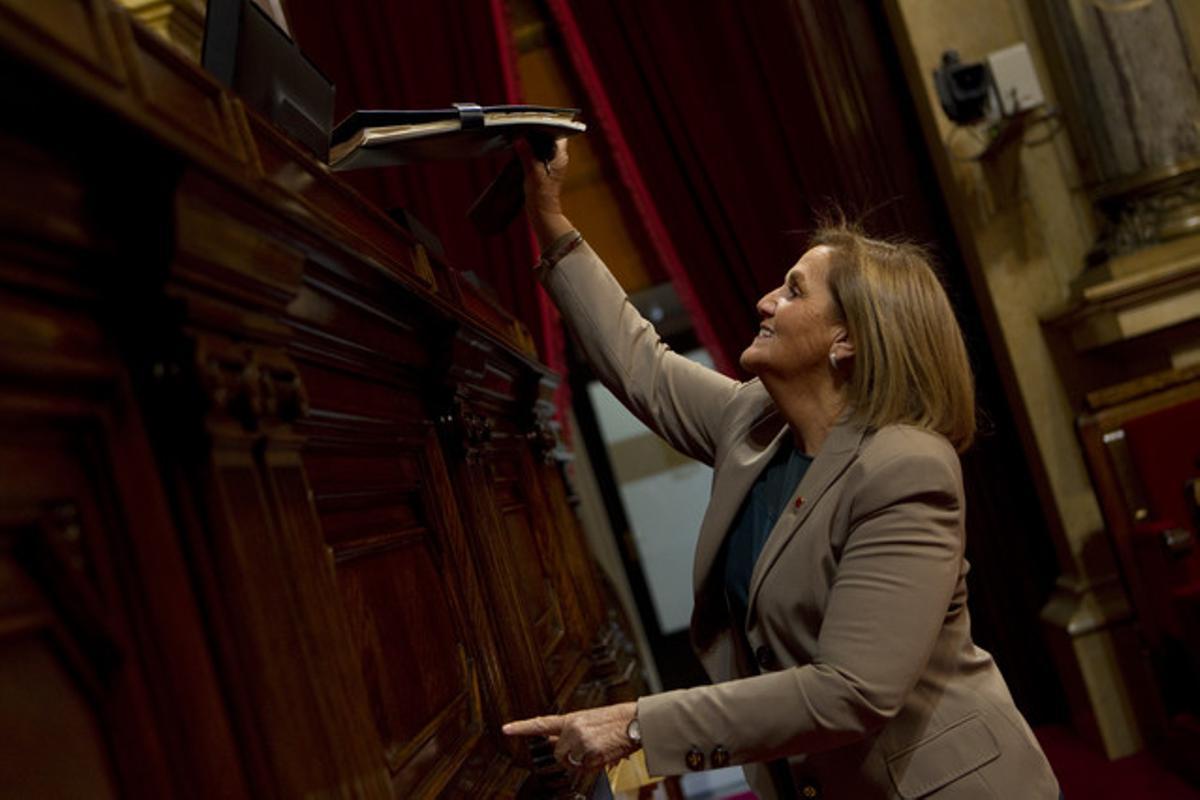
column 445, row 138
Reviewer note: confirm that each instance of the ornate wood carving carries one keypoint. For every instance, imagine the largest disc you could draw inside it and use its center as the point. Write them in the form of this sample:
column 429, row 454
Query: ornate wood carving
column 467, row 432
column 543, row 438
column 53, row 623
column 281, row 496
column 103, row 657
column 251, row 384
column 180, row 22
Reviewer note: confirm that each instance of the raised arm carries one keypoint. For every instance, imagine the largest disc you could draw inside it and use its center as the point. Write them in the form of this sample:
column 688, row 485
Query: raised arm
column 680, row 400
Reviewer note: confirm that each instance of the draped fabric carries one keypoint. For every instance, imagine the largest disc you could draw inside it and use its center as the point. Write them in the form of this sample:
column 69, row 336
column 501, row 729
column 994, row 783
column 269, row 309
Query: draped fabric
column 429, row 54
column 739, row 121
column 607, row 124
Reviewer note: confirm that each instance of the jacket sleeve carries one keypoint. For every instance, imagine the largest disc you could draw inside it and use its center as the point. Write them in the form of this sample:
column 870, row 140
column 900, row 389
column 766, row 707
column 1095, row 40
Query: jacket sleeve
column 888, row 601
column 680, row 400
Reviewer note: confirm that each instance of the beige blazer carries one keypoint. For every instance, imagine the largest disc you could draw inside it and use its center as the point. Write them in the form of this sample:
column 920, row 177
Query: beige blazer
column 860, row 670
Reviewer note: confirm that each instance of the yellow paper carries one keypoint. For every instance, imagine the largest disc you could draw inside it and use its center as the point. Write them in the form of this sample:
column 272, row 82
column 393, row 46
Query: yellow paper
column 630, row 774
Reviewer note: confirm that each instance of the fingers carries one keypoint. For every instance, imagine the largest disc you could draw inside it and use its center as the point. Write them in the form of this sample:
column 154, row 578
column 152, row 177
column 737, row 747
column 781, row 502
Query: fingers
column 537, row 726
column 550, row 156
column 559, row 156
column 576, row 753
column 568, row 749
column 583, row 739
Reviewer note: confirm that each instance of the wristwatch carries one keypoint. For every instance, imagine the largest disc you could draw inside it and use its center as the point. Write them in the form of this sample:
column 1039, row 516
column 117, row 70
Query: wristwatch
column 634, row 732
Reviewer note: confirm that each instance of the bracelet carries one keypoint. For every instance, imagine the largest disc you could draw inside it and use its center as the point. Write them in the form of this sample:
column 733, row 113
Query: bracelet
column 559, row 250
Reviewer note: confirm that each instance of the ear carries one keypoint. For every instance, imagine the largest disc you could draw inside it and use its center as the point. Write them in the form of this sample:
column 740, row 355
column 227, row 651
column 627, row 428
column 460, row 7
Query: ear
column 843, row 345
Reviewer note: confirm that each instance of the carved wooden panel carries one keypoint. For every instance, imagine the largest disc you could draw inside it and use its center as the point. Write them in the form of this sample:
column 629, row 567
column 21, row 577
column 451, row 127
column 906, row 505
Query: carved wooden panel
column 376, row 475
column 57, row 648
column 179, row 94
column 77, row 31
column 492, row 454
column 277, row 518
column 541, row 602
column 266, row 583
column 407, row 580
column 106, row 680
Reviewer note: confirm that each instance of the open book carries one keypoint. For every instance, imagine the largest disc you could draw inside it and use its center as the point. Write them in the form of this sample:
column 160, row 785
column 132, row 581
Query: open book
column 386, row 138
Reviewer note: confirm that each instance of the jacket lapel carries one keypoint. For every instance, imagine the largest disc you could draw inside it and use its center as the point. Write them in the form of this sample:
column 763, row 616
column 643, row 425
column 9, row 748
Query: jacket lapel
column 835, row 455
column 735, row 475
column 755, row 452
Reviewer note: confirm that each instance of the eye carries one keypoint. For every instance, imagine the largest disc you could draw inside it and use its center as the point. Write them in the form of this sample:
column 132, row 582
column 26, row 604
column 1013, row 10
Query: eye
column 792, row 290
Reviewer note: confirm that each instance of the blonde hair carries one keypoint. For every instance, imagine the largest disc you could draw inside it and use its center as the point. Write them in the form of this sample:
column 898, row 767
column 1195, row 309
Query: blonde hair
column 910, row 364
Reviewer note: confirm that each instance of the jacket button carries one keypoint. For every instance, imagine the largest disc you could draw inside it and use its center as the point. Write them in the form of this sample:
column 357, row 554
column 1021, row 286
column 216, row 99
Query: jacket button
column 719, row 757
column 694, row 759
column 764, row 656
column 811, row 791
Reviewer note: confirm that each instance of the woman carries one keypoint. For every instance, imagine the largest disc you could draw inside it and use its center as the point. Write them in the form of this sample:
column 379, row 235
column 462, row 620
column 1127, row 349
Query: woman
column 830, row 607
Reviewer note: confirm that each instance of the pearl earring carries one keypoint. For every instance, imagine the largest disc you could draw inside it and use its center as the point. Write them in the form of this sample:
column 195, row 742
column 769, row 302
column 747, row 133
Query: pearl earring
column 833, row 360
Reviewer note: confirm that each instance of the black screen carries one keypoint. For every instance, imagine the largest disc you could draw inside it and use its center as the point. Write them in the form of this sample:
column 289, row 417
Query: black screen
column 245, row 50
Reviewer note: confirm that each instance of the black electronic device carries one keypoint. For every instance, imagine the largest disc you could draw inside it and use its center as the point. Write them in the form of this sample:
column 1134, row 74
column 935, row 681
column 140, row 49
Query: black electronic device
column 963, row 89
column 245, row 50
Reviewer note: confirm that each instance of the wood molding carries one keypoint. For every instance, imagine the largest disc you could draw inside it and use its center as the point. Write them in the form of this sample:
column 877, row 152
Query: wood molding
column 232, row 368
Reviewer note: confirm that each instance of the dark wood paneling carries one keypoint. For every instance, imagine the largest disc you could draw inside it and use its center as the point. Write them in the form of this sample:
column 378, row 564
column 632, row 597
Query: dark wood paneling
column 64, row 642
column 109, row 684
column 373, row 468
column 276, row 517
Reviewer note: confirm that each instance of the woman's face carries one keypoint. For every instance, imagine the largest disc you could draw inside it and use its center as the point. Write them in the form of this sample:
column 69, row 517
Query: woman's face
column 799, row 322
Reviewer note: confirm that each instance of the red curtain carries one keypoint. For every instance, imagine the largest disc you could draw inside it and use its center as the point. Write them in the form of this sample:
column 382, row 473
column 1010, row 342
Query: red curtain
column 429, row 54
column 733, row 124
column 607, row 125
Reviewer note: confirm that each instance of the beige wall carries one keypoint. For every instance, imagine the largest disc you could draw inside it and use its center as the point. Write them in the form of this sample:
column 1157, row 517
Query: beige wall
column 1025, row 226
column 1189, row 14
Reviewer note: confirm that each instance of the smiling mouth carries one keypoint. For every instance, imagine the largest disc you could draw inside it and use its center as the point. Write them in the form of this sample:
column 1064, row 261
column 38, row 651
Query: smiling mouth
column 765, row 333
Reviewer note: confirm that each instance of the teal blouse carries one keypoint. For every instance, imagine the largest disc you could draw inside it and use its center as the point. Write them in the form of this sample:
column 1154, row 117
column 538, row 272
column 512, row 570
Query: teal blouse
column 765, row 501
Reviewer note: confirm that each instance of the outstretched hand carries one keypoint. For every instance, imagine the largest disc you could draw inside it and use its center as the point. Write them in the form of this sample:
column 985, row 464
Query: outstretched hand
column 543, row 190
column 585, row 739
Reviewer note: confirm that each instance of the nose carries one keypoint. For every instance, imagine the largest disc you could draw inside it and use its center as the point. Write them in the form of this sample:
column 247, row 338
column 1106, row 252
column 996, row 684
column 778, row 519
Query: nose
column 766, row 305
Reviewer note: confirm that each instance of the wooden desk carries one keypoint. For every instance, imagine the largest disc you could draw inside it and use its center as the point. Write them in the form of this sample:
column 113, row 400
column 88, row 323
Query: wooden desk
column 281, row 512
